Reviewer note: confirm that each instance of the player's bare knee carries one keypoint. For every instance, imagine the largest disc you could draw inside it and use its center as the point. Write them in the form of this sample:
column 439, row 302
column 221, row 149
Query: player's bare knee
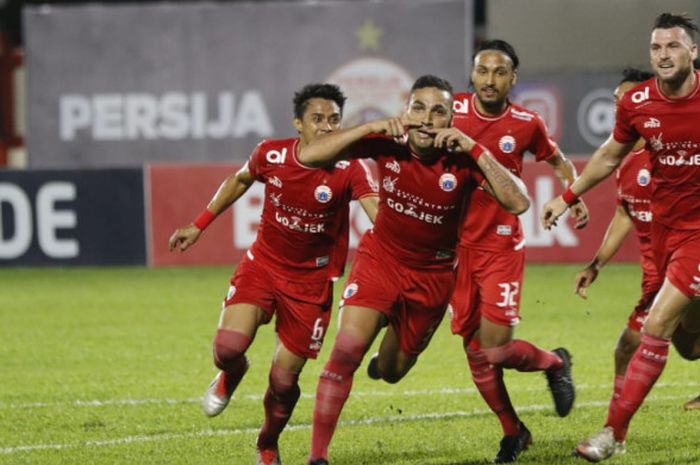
column 687, row 344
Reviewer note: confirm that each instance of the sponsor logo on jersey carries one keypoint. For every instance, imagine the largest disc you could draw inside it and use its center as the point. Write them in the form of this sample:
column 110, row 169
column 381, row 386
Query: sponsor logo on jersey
column 275, row 199
column 656, row 142
column 652, row 123
column 275, row 181
column 640, row 95
column 393, row 166
column 350, row 290
column 522, row 115
column 461, row 106
column 275, row 156
column 342, row 164
column 231, row 292
column 295, row 224
column 680, row 159
column 506, row 144
column 503, row 230
column 323, row 194
column 448, row 182
column 389, row 184
column 322, row 261
column 643, row 177
column 409, row 209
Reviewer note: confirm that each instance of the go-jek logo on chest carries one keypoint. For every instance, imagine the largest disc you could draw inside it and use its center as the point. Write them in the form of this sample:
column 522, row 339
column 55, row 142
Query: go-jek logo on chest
column 448, row 182
column 323, row 194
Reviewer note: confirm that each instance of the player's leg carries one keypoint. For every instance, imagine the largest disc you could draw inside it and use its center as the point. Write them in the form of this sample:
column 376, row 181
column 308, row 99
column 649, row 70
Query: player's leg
column 643, row 370
column 248, row 304
column 686, row 338
column 358, row 326
column 303, row 314
column 391, row 363
column 627, row 343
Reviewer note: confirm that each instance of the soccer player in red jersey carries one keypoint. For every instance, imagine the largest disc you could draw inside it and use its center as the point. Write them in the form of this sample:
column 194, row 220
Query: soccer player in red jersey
column 403, row 273
column 485, row 306
column 664, row 111
column 300, row 248
column 633, row 211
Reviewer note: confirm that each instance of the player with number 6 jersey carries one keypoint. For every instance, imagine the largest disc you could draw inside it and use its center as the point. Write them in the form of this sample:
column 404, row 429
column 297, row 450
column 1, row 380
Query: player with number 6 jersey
column 300, row 248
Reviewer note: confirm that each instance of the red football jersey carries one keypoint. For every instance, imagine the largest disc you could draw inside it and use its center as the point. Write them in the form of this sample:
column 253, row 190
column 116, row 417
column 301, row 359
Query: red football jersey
column 508, row 136
column 304, row 227
column 420, row 202
column 672, row 133
column 634, row 192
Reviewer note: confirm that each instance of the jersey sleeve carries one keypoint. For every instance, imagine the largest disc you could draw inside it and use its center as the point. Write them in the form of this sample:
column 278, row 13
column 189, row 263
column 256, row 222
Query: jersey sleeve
column 372, row 146
column 363, row 181
column 256, row 162
column 541, row 145
column 623, row 132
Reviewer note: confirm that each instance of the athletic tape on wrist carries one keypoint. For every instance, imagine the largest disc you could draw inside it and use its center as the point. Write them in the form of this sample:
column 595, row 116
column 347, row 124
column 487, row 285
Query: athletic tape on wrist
column 204, row 219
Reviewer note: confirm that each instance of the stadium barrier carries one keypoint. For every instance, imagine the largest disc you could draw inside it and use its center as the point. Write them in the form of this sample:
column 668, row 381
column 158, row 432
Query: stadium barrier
column 125, row 217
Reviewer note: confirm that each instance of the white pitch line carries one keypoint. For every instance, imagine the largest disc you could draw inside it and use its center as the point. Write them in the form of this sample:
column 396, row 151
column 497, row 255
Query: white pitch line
column 259, row 397
column 304, row 426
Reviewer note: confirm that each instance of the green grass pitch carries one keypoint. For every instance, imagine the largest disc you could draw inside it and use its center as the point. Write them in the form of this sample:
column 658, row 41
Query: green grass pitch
column 106, row 366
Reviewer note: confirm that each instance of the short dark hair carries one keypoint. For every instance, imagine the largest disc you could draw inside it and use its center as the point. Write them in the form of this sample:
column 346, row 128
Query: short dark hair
column 324, row 91
column 635, row 75
column 428, row 80
column 683, row 20
column 500, row 45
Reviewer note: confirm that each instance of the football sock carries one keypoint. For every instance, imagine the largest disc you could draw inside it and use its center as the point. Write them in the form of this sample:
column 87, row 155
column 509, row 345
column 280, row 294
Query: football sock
column 281, row 397
column 229, row 350
column 333, row 390
column 644, row 369
column 489, row 381
column 522, row 356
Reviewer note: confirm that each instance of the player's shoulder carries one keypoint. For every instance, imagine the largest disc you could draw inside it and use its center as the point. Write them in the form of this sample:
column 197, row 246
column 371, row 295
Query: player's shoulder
column 461, row 102
column 523, row 115
column 276, row 151
column 641, row 94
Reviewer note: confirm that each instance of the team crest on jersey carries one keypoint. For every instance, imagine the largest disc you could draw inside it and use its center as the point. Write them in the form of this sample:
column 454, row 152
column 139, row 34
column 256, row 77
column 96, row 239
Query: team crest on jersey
column 350, row 290
column 506, row 144
column 323, row 194
column 389, row 184
column 448, row 182
column 643, row 177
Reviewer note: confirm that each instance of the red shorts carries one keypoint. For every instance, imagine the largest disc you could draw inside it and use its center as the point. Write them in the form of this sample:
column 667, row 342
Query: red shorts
column 488, row 285
column 677, row 257
column 303, row 308
column 651, row 283
column 414, row 301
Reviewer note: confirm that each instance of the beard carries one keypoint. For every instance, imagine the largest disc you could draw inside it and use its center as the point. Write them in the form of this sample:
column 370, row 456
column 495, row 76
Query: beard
column 677, row 79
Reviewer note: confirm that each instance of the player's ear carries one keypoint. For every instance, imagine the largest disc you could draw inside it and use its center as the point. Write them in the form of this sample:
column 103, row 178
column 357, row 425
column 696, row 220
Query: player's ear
column 515, row 78
column 298, row 125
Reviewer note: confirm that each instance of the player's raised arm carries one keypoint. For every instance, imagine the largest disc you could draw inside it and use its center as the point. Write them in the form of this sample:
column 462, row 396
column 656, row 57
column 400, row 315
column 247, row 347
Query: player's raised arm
column 229, row 191
column 600, row 166
column 566, row 172
column 507, row 188
column 332, row 146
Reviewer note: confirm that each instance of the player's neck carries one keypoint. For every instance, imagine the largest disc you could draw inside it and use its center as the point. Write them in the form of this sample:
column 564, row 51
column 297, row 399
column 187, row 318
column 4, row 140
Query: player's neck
column 425, row 154
column 490, row 109
column 680, row 90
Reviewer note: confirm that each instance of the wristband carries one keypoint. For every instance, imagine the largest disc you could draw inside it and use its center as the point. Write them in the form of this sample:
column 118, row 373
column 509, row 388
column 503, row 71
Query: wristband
column 477, row 151
column 204, row 219
column 569, row 197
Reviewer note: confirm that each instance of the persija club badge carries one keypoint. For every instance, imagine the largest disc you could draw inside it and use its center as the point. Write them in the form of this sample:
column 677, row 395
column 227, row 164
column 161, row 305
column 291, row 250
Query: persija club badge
column 448, row 182
column 643, row 177
column 323, row 194
column 506, row 144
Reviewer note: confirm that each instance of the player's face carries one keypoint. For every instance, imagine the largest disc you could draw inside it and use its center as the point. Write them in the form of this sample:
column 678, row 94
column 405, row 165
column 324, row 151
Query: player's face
column 432, row 109
column 672, row 53
column 493, row 77
column 320, row 117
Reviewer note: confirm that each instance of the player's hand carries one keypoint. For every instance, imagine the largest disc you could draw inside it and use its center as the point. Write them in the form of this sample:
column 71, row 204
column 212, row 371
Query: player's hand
column 394, row 127
column 451, row 139
column 579, row 212
column 584, row 279
column 184, row 237
column 551, row 211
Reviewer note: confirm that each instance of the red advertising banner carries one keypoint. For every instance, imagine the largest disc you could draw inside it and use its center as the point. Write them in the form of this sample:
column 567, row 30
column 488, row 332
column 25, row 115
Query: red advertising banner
column 178, row 193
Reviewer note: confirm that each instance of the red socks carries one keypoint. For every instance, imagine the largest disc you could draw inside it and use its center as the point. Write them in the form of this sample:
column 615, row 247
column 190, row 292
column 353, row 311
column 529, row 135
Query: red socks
column 281, row 397
column 522, row 356
column 229, row 350
column 333, row 390
column 642, row 372
column 489, row 381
